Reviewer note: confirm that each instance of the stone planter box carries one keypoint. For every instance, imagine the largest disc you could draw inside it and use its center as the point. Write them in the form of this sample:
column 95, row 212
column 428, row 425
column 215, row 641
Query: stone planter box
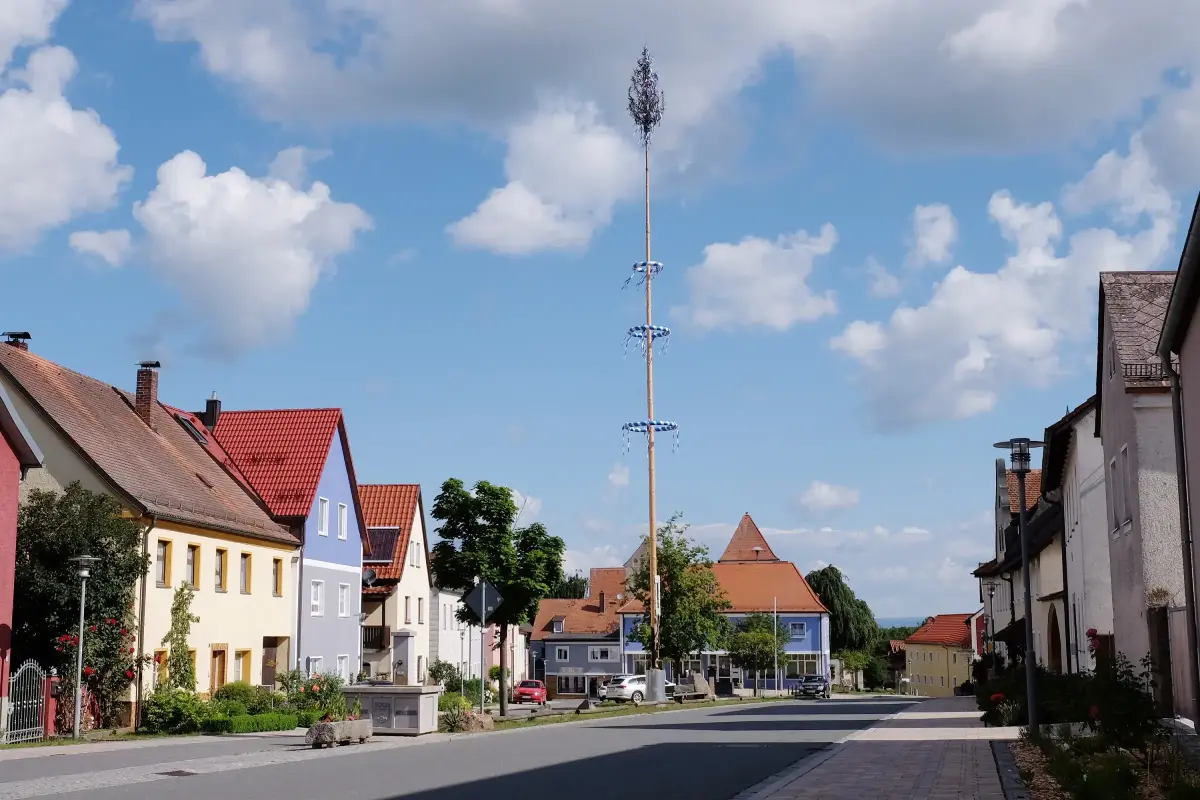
column 402, row 710
column 328, row 734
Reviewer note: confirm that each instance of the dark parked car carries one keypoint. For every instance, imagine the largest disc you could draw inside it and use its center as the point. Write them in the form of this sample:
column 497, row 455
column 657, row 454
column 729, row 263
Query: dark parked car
column 813, row 686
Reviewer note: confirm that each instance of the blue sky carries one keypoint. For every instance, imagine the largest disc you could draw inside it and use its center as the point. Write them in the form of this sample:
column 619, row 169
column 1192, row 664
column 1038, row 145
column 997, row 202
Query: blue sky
column 424, row 214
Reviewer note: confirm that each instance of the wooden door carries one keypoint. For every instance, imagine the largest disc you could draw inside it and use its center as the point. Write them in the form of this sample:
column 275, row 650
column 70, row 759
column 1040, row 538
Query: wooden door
column 218, row 670
column 270, row 660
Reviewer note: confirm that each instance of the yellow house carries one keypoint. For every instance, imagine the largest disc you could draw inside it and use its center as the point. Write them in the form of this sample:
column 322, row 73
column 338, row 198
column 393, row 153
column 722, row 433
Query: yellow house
column 202, row 526
column 939, row 655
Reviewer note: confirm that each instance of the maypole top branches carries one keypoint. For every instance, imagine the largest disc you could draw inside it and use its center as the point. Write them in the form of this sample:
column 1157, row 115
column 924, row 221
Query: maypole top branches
column 645, row 100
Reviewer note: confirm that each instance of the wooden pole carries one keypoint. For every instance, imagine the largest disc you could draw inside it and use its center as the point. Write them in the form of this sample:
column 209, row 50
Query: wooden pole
column 655, row 657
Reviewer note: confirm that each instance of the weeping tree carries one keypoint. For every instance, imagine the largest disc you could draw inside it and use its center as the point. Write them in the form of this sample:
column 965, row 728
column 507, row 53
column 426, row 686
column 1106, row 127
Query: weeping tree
column 851, row 623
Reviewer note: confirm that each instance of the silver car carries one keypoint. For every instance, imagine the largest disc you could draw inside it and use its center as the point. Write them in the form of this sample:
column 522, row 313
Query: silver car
column 631, row 688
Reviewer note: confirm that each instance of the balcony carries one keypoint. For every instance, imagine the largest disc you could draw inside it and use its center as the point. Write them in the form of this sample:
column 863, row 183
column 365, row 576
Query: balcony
column 376, row 637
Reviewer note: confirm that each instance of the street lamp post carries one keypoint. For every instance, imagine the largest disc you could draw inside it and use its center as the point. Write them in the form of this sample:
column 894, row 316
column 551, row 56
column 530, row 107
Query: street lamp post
column 462, row 661
column 1019, row 454
column 991, row 589
column 84, row 569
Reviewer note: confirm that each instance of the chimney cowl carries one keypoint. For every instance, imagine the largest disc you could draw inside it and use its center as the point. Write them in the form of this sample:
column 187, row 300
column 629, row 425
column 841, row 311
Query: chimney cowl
column 146, row 396
column 17, row 339
column 212, row 412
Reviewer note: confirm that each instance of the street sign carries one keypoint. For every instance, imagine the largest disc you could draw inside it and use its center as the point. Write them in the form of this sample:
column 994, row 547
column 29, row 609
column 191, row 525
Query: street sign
column 483, row 593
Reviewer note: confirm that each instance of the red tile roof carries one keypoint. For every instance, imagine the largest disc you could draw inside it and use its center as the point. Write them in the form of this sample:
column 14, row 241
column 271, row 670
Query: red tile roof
column 759, row 587
column 896, row 645
column 745, row 538
column 584, row 616
column 164, row 472
column 281, row 453
column 948, row 630
column 392, row 505
column 1033, row 490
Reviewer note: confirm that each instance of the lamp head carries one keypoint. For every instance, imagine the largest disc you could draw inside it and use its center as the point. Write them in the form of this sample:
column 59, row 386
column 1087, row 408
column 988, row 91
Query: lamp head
column 83, row 565
column 1018, row 450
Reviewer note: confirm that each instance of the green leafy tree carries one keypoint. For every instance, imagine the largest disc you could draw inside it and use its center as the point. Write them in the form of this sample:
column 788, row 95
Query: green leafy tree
column 478, row 539
column 181, row 673
column 52, row 529
column 851, row 624
column 758, row 644
column 445, row 673
column 692, row 601
column 572, row 587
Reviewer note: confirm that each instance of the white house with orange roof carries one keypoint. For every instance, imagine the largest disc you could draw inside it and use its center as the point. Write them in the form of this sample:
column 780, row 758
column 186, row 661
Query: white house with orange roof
column 754, row 580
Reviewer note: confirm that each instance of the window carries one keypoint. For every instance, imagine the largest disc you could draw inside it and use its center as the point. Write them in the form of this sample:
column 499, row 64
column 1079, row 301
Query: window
column 1112, row 358
column 420, row 610
column 277, row 577
column 342, row 522
column 160, row 667
column 241, row 665
column 343, row 665
column 601, row 654
column 245, row 573
column 558, row 626
column 1116, row 506
column 956, row 683
column 420, row 669
column 799, row 629
column 219, row 570
column 192, row 571
column 313, row 665
column 162, row 563
column 317, row 599
column 343, row 599
column 801, row 664
column 445, row 618
column 562, row 653
column 941, row 680
column 322, row 517
column 414, row 553
column 1127, row 486
column 408, row 611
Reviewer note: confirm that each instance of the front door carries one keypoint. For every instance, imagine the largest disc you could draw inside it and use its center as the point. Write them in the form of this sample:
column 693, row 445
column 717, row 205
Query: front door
column 217, row 673
column 270, row 660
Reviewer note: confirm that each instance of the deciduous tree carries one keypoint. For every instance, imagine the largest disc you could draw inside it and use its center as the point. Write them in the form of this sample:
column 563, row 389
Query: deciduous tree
column 478, row 540
column 758, row 644
column 851, row 623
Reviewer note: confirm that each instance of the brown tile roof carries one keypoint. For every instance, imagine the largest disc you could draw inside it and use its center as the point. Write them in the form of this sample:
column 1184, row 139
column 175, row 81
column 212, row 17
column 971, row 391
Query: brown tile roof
column 758, row 587
column 896, row 645
column 948, row 630
column 1137, row 303
column 745, row 538
column 390, row 505
column 165, row 472
column 584, row 616
column 1033, row 490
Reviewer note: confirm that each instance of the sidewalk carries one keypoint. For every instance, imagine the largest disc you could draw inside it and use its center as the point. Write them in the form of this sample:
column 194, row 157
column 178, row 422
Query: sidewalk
column 936, row 751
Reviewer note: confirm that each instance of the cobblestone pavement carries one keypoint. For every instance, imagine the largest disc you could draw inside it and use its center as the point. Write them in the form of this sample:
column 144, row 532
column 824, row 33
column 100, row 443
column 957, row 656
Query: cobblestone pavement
column 937, row 751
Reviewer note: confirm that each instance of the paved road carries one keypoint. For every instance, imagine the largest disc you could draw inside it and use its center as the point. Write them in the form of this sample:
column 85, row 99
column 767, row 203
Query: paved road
column 700, row 754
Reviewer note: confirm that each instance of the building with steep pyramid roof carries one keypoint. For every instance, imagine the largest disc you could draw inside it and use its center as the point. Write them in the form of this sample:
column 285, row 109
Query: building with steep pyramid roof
column 755, row 581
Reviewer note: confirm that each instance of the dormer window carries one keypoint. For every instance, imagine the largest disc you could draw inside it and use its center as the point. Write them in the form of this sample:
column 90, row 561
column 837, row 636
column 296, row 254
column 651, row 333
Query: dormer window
column 558, row 624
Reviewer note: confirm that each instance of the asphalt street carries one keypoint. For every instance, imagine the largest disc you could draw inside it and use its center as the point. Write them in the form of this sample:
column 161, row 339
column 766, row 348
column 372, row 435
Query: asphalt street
column 708, row 753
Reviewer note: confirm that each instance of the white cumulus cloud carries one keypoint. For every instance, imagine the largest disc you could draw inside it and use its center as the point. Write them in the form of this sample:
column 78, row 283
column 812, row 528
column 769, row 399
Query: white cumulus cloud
column 111, row 247
column 822, row 496
column 758, row 282
column 619, row 476
column 528, row 507
column 883, row 283
column 244, row 252
column 935, row 230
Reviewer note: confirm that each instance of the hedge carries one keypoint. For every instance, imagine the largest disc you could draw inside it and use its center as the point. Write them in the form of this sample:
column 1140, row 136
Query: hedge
column 251, row 723
column 306, row 719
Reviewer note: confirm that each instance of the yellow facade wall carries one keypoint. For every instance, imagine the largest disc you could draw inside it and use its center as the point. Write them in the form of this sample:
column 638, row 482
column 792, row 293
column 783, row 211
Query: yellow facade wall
column 233, row 621
column 936, row 670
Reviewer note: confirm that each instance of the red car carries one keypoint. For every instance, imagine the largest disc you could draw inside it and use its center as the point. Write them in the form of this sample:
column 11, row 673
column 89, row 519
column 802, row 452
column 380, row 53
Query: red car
column 530, row 692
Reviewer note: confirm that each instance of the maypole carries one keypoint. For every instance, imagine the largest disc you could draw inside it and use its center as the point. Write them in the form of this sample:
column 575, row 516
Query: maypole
column 646, row 110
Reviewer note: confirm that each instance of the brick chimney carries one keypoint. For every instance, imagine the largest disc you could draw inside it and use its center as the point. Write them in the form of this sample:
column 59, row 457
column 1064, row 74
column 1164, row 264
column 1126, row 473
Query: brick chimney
column 212, row 412
column 17, row 339
column 147, row 391
column 601, row 601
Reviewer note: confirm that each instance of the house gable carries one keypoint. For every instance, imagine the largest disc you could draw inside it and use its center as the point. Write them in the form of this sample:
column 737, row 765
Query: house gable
column 336, row 492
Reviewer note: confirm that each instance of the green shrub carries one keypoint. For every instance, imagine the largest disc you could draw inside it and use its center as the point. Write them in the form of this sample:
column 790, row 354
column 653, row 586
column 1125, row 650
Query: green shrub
column 241, row 691
column 307, row 718
column 444, row 672
column 251, row 723
column 265, row 700
column 451, row 700
column 227, row 707
column 455, row 720
column 173, row 711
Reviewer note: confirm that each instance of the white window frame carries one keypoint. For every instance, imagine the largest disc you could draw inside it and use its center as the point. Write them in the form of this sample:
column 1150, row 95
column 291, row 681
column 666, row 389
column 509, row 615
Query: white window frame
column 313, row 664
column 343, row 667
column 343, row 521
column 414, row 553
column 800, row 632
column 420, row 610
column 343, row 599
column 558, row 626
column 1112, row 357
column 407, row 610
column 1114, row 488
column 1126, row 485
column 594, row 650
column 562, row 653
column 322, row 516
column 316, row 598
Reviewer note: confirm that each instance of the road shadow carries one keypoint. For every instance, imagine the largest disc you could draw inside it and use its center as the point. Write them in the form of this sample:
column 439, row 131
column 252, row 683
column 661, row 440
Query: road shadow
column 814, row 709
column 688, row 771
column 797, row 724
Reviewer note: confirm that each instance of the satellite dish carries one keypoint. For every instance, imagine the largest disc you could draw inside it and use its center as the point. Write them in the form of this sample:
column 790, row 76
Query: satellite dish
column 369, row 577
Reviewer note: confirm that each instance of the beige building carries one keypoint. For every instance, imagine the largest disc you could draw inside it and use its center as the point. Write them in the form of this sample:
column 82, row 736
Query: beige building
column 203, row 528
column 939, row 655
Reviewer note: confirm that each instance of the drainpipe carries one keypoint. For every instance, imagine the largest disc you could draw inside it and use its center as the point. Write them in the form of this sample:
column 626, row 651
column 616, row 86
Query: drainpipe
column 1185, row 531
column 141, row 654
column 299, row 603
column 1066, row 595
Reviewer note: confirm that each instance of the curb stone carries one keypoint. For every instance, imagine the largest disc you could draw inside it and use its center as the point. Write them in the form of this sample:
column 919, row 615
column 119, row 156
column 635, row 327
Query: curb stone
column 1010, row 775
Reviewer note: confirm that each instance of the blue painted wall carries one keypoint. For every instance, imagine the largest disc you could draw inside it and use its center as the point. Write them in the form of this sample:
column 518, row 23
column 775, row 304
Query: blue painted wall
column 335, row 487
column 810, row 643
column 578, row 652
